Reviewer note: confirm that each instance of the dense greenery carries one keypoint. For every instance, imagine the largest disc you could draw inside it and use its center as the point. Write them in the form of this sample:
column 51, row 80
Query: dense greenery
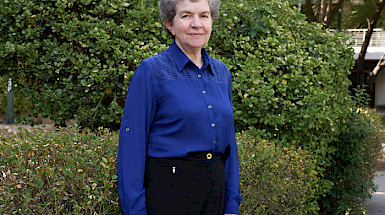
column 355, row 160
column 74, row 59
column 275, row 180
column 66, row 172
column 62, row 172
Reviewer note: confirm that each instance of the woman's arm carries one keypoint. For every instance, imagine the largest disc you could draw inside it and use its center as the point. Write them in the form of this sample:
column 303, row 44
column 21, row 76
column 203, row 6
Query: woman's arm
column 138, row 115
column 233, row 193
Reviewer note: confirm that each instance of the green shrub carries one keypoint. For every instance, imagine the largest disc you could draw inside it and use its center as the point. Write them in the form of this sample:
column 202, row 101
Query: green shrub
column 66, row 172
column 276, row 180
column 290, row 77
column 77, row 56
column 61, row 172
column 354, row 163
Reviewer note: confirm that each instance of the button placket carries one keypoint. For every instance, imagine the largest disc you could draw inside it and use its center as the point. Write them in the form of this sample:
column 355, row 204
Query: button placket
column 210, row 107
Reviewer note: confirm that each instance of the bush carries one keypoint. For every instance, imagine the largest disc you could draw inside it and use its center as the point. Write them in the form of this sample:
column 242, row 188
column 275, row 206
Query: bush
column 290, row 77
column 77, row 56
column 61, row 172
column 276, row 180
column 66, row 172
column 354, row 162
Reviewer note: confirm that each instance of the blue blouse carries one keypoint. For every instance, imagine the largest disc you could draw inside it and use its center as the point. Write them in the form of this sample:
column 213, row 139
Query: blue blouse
column 173, row 108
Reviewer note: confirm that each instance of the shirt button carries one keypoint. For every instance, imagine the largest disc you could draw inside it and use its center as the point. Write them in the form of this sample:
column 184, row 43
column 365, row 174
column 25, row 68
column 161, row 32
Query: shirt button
column 127, row 129
column 209, row 156
column 199, row 76
column 204, row 92
column 213, row 125
column 210, row 106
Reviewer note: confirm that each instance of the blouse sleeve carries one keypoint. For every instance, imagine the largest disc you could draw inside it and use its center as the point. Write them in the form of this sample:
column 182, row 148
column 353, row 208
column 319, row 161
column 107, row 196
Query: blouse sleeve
column 138, row 115
column 233, row 192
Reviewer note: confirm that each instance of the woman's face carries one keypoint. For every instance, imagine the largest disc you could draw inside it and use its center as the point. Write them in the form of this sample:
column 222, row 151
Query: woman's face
column 191, row 25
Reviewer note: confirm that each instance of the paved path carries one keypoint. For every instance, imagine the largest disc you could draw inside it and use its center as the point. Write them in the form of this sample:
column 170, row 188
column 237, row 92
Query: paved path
column 376, row 206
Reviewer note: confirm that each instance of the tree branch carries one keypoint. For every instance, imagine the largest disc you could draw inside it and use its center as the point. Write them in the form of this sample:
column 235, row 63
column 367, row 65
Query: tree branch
column 379, row 65
column 371, row 25
column 322, row 11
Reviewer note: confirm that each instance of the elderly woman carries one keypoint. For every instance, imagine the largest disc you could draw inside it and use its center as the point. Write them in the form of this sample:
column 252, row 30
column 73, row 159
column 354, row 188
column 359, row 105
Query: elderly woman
column 177, row 149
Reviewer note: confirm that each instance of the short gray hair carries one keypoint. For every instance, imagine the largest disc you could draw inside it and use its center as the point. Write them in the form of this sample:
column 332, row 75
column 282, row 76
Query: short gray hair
column 168, row 9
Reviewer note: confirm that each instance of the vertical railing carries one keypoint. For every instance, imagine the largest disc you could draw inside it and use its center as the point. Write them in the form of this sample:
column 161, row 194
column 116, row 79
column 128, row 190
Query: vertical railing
column 358, row 37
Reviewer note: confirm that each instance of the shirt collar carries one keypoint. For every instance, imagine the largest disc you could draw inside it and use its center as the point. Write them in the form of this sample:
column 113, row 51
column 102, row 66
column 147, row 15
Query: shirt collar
column 181, row 59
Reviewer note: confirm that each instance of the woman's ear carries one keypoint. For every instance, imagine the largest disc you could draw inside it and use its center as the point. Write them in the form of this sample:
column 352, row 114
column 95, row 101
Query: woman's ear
column 169, row 27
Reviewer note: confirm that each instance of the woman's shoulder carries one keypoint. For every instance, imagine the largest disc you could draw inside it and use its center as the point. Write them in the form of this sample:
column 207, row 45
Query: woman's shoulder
column 219, row 65
column 220, row 71
column 160, row 65
column 162, row 57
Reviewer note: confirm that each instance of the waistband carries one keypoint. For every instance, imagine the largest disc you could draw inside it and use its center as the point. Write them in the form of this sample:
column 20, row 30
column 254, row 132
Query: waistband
column 194, row 156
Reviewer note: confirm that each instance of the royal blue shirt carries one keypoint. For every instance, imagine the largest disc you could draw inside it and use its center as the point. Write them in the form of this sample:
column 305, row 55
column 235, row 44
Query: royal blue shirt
column 173, row 108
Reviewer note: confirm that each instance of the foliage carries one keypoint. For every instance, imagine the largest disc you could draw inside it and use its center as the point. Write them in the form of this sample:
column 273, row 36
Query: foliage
column 356, row 15
column 60, row 172
column 289, row 76
column 354, row 161
column 383, row 120
column 77, row 56
column 276, row 180
column 65, row 171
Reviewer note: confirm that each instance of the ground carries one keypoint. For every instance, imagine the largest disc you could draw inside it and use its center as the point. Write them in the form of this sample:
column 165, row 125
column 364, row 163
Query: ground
column 14, row 128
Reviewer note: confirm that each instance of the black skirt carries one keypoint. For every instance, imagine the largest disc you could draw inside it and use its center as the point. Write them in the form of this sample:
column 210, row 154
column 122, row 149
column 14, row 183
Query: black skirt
column 191, row 185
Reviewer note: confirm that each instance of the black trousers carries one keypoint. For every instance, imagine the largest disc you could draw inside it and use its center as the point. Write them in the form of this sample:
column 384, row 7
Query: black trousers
column 192, row 185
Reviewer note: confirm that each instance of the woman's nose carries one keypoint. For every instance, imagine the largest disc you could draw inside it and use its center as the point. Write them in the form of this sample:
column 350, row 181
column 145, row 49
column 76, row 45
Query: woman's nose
column 196, row 22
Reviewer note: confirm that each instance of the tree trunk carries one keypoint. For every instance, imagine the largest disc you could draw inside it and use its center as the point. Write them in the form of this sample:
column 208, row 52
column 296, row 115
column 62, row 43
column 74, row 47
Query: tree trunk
column 324, row 14
column 309, row 11
column 361, row 57
column 322, row 11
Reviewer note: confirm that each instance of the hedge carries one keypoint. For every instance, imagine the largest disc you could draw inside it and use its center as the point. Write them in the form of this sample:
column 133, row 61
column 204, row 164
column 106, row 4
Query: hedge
column 355, row 161
column 74, row 58
column 67, row 172
column 276, row 180
column 60, row 172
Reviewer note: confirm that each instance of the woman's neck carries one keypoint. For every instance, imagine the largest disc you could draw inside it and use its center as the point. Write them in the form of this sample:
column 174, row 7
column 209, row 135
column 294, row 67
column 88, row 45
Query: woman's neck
column 195, row 55
column 196, row 59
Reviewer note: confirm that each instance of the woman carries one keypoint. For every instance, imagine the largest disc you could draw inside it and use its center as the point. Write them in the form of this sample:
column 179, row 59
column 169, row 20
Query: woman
column 177, row 149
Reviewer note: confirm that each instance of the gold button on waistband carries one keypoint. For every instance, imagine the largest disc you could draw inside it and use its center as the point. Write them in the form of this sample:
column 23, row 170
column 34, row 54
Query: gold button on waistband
column 209, row 156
